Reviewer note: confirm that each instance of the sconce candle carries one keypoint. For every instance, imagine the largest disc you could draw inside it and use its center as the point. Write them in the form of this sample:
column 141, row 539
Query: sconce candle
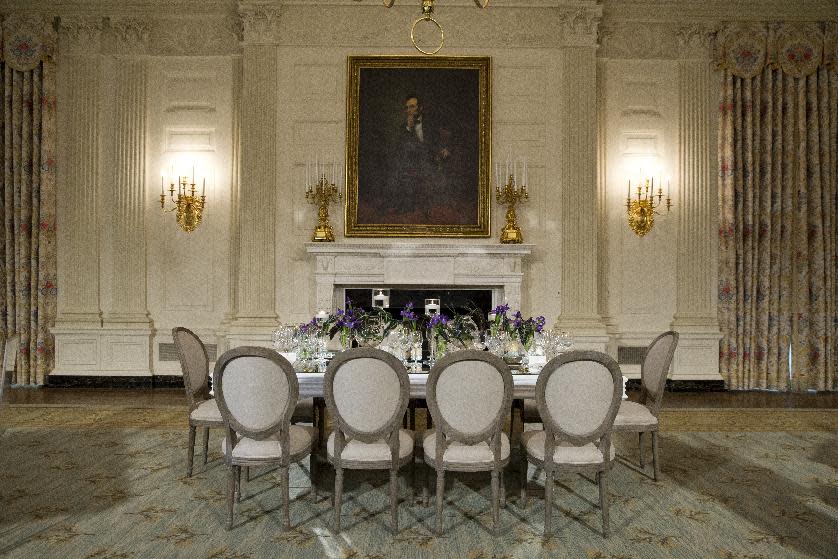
column 642, row 209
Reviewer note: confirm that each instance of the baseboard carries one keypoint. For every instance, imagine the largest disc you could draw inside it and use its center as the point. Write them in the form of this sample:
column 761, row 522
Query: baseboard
column 684, row 385
column 92, row 381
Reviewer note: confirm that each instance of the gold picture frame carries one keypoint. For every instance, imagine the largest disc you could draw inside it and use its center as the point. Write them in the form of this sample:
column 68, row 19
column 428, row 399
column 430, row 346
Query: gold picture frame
column 418, row 143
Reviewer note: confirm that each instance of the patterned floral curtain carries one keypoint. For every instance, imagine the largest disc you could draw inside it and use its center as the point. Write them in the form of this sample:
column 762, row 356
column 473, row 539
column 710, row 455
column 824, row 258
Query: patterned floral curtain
column 27, row 257
column 778, row 236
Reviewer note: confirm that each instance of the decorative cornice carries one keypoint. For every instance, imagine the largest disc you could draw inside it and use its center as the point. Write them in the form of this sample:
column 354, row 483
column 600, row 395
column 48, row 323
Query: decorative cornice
column 259, row 23
column 637, row 40
column 695, row 40
column 80, row 34
column 579, row 25
column 130, row 34
column 196, row 36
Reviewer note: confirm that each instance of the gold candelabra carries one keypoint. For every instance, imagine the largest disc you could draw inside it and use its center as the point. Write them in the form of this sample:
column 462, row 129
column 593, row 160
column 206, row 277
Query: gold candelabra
column 510, row 195
column 188, row 206
column 323, row 193
column 641, row 208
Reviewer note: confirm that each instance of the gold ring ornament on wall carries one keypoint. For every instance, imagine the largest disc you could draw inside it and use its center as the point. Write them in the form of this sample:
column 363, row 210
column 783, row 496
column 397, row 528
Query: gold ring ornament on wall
column 438, row 26
column 427, row 10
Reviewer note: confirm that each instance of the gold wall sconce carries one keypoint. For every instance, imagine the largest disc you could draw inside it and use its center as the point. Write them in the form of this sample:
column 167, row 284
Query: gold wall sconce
column 188, row 206
column 642, row 206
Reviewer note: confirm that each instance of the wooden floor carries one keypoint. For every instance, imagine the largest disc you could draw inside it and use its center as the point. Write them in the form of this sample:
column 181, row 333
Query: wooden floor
column 175, row 397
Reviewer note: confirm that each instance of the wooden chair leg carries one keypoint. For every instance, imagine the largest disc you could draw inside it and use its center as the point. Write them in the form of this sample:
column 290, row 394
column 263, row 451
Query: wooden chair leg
column 190, row 451
column 314, row 469
column 495, row 500
column 640, row 444
column 338, row 496
column 231, row 491
column 602, row 479
column 394, row 498
column 440, row 490
column 655, row 455
column 426, row 482
column 286, row 482
column 502, row 490
column 548, row 500
column 206, row 444
column 247, row 474
column 238, row 484
column 524, row 471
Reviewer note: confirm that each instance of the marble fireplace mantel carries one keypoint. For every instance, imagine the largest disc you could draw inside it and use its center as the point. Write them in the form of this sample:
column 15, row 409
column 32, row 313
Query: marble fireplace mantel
column 416, row 264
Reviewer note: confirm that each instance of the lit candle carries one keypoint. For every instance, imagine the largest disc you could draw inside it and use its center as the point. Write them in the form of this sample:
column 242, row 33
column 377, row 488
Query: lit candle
column 492, row 317
column 321, row 316
column 668, row 189
column 204, row 187
column 629, row 192
column 193, row 173
column 308, row 171
column 316, row 169
column 162, row 188
column 507, row 167
column 525, row 181
column 497, row 174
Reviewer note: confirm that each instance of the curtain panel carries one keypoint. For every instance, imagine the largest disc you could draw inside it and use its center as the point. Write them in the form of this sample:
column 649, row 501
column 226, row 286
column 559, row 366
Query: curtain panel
column 27, row 258
column 778, row 236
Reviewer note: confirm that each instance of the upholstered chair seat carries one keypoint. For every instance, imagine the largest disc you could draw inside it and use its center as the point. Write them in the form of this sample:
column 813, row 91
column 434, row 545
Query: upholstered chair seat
column 642, row 416
column 564, row 453
column 377, row 451
column 206, row 411
column 633, row 414
column 366, row 393
column 468, row 456
column 301, row 438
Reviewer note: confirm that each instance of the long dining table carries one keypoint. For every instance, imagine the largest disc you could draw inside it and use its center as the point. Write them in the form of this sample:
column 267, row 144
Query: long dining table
column 311, row 385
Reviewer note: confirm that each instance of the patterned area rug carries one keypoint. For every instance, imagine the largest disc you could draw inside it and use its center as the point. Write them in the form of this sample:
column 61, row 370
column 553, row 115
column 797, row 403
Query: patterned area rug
column 99, row 483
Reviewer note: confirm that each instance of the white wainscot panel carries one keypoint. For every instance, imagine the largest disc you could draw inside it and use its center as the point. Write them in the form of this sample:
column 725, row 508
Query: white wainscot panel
column 126, row 353
column 316, row 82
column 77, row 353
column 190, row 92
column 190, row 139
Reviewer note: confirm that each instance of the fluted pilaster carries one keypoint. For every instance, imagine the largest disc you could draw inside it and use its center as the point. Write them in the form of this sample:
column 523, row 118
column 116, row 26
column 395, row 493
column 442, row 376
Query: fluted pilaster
column 78, row 256
column 695, row 312
column 127, row 205
column 256, row 268
column 577, row 180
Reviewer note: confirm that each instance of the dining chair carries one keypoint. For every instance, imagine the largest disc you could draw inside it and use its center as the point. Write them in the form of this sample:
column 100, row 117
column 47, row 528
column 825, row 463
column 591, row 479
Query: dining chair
column 203, row 408
column 577, row 394
column 10, row 351
column 469, row 395
column 643, row 416
column 366, row 393
column 257, row 391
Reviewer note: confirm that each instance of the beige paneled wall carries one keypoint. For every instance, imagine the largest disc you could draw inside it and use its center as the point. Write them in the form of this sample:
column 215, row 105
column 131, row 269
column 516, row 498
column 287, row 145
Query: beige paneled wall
column 254, row 90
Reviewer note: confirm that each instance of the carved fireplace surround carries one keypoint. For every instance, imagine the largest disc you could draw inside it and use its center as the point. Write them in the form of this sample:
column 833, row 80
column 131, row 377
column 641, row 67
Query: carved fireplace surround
column 416, row 264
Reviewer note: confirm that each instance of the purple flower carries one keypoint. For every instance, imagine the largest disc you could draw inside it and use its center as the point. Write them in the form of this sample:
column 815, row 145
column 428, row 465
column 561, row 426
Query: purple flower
column 501, row 309
column 438, row 319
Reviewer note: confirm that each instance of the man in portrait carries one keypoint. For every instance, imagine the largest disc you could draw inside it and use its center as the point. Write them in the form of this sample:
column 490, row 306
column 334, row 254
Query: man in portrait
column 417, row 163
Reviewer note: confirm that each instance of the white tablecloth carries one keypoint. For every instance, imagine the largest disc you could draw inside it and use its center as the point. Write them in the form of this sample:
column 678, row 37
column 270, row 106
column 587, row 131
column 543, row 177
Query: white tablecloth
column 311, row 385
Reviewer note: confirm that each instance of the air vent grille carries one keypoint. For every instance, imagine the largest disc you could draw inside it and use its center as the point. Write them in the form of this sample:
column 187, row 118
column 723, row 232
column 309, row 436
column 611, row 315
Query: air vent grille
column 630, row 355
column 168, row 352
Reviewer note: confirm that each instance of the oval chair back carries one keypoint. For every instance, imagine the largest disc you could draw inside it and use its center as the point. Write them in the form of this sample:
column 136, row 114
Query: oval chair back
column 655, row 368
column 257, row 390
column 469, row 394
column 578, row 394
column 366, row 392
column 194, row 364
